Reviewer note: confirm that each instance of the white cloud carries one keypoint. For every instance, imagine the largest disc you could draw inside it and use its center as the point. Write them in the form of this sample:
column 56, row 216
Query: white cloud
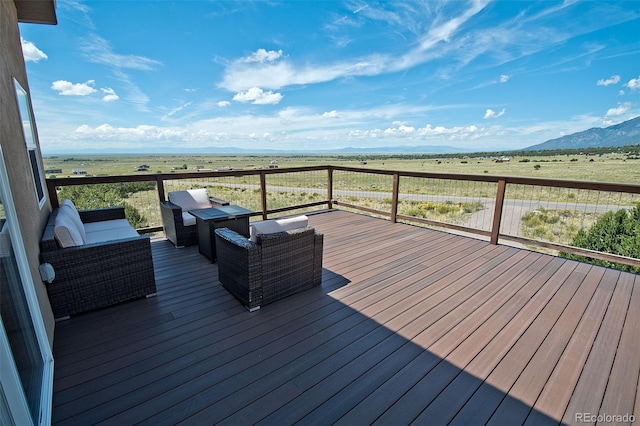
column 492, row 114
column 400, row 131
column 257, row 96
column 98, row 50
column 262, row 55
column 619, row 110
column 262, row 69
column 175, row 110
column 429, row 132
column 614, row 79
column 303, row 128
column 331, row 114
column 134, row 94
column 633, row 84
column 223, row 104
column 67, row 88
column 138, row 133
column 456, row 132
column 240, row 76
column 446, row 30
column 109, row 95
column 504, row 78
column 30, row 52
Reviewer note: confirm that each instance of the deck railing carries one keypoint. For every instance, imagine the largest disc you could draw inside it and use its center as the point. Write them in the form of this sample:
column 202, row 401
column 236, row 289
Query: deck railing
column 535, row 212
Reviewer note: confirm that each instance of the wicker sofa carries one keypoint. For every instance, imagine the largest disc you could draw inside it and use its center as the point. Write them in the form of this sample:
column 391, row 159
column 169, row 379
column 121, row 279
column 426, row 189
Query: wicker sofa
column 179, row 226
column 269, row 265
column 109, row 264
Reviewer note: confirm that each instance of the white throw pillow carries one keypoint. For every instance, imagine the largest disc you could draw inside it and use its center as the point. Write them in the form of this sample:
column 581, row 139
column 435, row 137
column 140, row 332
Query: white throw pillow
column 66, row 232
column 279, row 225
column 68, row 208
column 191, row 199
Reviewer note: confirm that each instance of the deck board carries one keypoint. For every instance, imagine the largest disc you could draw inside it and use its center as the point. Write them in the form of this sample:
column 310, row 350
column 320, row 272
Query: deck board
column 409, row 325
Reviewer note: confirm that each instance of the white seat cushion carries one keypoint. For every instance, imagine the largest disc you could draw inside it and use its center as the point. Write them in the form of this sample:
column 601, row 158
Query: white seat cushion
column 111, row 235
column 279, row 225
column 188, row 219
column 191, row 199
column 106, row 225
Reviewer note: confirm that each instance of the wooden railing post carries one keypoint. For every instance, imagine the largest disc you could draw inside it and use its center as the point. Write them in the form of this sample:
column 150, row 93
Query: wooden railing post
column 263, row 194
column 330, row 187
column 394, row 197
column 160, row 187
column 497, row 211
column 53, row 194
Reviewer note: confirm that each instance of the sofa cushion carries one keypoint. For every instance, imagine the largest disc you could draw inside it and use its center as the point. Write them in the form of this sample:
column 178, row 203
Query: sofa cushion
column 66, row 232
column 106, row 225
column 277, row 225
column 111, row 235
column 190, row 199
column 188, row 219
column 68, row 208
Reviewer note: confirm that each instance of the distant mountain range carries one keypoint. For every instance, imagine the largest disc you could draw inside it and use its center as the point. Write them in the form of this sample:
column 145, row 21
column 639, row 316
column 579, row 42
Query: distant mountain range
column 625, row 133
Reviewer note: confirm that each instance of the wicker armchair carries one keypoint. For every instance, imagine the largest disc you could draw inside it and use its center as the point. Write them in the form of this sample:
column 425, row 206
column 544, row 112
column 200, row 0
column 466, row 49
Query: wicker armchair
column 173, row 217
column 277, row 265
column 100, row 274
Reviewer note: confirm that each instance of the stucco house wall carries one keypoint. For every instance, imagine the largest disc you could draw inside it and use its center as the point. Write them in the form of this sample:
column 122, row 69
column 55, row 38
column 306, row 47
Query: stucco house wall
column 32, row 218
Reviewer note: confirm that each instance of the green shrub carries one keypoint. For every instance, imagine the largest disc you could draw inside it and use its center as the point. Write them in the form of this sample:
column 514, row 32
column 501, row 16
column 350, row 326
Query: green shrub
column 615, row 233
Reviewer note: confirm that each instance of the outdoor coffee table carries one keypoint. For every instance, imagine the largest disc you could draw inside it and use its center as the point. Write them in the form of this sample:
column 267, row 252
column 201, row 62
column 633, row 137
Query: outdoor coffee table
column 208, row 220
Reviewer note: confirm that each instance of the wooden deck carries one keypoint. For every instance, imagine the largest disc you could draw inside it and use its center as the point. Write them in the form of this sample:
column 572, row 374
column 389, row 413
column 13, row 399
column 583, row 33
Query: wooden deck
column 410, row 325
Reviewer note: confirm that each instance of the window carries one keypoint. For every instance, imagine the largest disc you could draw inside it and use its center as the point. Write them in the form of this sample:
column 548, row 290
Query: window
column 28, row 131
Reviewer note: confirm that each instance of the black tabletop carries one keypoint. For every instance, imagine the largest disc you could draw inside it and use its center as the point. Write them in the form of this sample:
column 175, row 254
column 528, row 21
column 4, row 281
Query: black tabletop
column 221, row 212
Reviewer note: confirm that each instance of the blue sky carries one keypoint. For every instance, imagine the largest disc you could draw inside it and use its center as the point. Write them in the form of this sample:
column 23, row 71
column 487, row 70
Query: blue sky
column 154, row 76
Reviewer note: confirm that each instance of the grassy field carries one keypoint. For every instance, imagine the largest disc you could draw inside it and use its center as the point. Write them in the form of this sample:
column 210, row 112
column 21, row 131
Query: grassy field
column 611, row 167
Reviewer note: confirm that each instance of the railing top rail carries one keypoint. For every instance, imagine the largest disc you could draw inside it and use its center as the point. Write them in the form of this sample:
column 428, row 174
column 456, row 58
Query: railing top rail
column 561, row 183
column 519, row 180
column 84, row 180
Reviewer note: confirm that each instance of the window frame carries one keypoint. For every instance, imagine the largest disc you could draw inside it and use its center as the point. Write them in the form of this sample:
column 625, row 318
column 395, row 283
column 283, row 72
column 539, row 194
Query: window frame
column 30, row 139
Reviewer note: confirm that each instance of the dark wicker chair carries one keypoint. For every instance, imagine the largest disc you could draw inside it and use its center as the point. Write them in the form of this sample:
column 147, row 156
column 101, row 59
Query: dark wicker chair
column 97, row 275
column 276, row 266
column 173, row 224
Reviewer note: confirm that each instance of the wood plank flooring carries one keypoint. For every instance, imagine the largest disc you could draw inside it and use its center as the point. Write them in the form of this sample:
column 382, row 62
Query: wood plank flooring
column 411, row 325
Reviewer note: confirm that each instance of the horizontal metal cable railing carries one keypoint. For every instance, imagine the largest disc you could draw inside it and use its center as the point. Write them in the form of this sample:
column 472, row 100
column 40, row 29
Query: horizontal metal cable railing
column 545, row 213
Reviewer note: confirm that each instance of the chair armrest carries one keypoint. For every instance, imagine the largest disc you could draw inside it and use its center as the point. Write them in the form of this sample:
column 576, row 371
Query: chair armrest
column 239, row 266
column 169, row 205
column 98, row 215
column 171, row 213
column 229, row 237
column 217, row 201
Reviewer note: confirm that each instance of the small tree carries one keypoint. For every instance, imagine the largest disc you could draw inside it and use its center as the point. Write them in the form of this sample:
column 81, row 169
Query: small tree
column 615, row 233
